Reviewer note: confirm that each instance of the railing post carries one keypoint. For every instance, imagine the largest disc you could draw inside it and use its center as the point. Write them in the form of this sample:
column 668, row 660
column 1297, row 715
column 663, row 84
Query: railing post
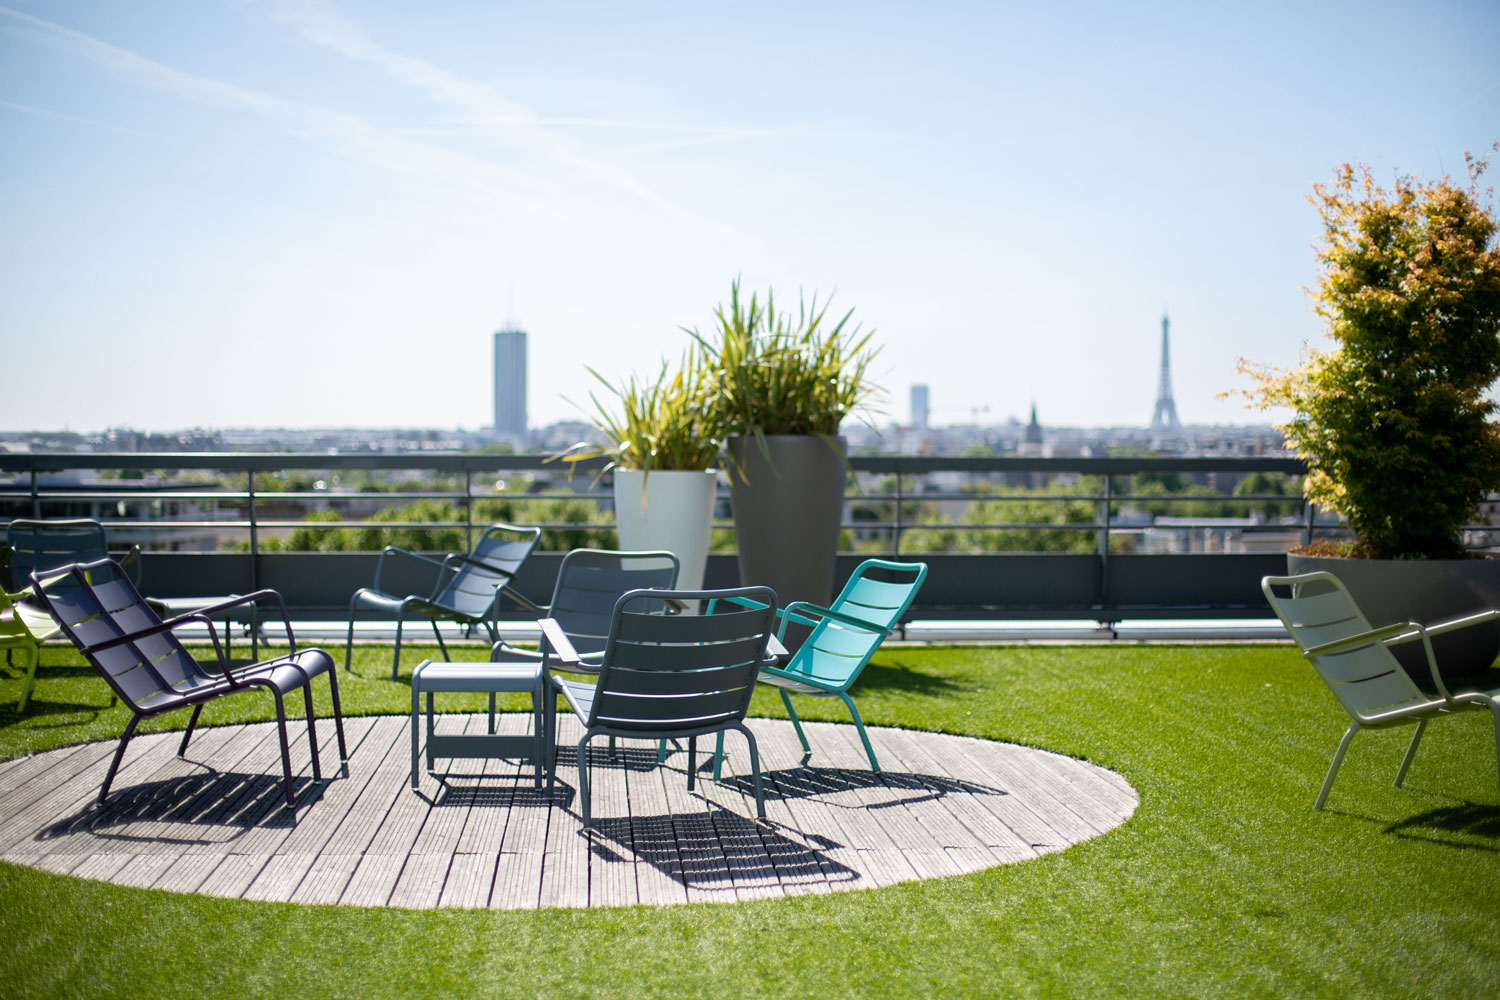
column 1307, row 521
column 36, row 500
column 1107, row 503
column 468, row 508
column 254, row 533
column 896, row 535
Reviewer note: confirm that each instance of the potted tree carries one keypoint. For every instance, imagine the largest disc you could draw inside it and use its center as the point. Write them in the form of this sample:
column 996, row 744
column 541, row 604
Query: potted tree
column 781, row 387
column 1394, row 421
column 664, row 441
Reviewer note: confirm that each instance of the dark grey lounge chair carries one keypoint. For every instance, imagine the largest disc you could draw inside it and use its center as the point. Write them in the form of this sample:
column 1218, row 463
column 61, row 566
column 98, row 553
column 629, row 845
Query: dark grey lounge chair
column 103, row 614
column 668, row 676
column 467, row 589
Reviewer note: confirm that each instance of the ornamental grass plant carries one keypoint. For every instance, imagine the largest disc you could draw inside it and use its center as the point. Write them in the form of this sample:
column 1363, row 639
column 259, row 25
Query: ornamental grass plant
column 771, row 373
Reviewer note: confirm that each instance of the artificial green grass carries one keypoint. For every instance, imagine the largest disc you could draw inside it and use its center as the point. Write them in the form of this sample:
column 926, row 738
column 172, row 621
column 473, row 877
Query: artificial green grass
column 1225, row 882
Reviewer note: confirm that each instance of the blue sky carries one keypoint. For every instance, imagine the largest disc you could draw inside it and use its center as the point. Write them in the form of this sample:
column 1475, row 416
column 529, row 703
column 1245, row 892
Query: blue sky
column 224, row 213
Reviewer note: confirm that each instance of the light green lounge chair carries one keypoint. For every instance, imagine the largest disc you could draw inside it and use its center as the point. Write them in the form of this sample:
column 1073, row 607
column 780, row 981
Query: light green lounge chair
column 1356, row 663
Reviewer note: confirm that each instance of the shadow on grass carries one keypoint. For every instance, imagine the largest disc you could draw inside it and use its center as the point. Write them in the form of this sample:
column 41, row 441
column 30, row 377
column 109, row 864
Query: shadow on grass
column 1467, row 819
column 897, row 676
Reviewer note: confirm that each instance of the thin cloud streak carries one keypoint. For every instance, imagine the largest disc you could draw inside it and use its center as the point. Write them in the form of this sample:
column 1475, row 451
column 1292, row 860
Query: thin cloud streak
column 347, row 134
column 477, row 105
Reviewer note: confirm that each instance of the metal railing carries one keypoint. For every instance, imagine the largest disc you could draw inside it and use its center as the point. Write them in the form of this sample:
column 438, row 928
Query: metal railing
column 1099, row 581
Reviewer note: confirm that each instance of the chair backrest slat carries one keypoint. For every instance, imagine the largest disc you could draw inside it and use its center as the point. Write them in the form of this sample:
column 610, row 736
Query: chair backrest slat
column 470, row 587
column 590, row 582
column 1318, row 609
column 834, row 653
column 664, row 674
column 96, row 602
column 39, row 546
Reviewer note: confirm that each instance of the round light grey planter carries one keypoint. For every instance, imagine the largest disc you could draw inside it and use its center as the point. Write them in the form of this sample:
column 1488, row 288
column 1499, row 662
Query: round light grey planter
column 668, row 509
column 787, row 513
column 1399, row 590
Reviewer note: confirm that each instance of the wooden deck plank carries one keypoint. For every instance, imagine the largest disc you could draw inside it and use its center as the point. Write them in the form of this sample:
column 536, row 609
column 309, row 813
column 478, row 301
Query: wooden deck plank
column 480, row 835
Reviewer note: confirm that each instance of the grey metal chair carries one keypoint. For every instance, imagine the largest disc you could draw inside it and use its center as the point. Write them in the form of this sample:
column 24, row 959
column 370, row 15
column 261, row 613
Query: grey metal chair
column 37, row 546
column 668, row 676
column 136, row 652
column 1356, row 663
column 467, row 588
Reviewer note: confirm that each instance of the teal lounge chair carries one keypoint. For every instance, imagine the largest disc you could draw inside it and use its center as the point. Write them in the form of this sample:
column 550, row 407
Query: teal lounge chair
column 843, row 639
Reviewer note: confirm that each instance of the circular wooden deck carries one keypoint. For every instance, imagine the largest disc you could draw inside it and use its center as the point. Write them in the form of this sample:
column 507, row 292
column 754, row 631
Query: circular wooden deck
column 478, row 834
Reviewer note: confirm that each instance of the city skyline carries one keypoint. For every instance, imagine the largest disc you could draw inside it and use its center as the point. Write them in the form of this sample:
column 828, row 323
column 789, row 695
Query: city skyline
column 255, row 213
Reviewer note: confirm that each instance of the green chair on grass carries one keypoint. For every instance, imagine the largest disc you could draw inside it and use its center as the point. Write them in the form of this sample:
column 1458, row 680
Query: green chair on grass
column 1356, row 663
column 24, row 627
column 843, row 639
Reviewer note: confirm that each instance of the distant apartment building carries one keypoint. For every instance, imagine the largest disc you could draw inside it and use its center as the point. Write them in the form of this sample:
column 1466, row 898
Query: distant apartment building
column 510, row 383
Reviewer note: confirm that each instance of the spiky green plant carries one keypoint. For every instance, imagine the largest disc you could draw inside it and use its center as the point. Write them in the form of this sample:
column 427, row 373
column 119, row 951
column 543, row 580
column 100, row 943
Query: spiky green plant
column 770, row 374
column 665, row 423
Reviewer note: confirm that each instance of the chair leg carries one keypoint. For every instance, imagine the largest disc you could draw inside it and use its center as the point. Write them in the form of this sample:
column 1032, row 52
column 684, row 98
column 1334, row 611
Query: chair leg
column 312, row 733
column 1338, row 758
column 32, row 656
column 396, row 653
column 1411, row 751
column 791, row 712
column 188, row 733
column 859, row 724
column 760, row 795
column 1495, row 711
column 583, row 780
column 416, row 713
column 338, row 715
column 692, row 760
column 348, row 640
column 286, row 752
column 492, row 714
column 719, row 755
column 439, row 633
column 114, row 765
column 538, row 731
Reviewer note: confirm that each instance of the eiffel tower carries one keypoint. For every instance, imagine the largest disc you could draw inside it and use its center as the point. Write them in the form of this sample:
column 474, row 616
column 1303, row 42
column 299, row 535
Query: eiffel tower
column 1164, row 417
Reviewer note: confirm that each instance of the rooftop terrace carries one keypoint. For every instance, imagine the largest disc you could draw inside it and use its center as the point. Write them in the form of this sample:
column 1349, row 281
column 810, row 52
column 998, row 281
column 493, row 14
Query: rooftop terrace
column 1223, row 881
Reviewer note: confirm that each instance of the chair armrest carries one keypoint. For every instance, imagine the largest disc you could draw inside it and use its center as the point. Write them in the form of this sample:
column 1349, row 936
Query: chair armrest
column 1464, row 621
column 742, row 601
column 394, row 550
column 798, row 611
column 554, row 636
column 1398, row 631
column 521, row 599
column 776, row 650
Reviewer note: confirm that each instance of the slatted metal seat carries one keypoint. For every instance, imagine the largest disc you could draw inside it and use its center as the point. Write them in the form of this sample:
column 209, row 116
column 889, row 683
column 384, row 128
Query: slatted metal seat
column 668, row 676
column 1356, row 663
column 843, row 639
column 140, row 657
column 467, row 588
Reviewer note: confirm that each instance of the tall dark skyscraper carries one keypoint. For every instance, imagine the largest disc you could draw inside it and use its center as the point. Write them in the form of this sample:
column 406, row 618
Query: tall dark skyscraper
column 510, row 382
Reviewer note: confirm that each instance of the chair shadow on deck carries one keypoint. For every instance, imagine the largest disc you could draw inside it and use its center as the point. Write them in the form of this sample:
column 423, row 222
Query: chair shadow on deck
column 215, row 807
column 716, row 849
column 807, row 782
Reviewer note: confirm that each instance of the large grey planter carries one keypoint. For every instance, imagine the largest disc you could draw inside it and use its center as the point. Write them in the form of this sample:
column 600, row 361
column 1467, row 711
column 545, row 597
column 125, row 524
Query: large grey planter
column 1426, row 591
column 787, row 513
